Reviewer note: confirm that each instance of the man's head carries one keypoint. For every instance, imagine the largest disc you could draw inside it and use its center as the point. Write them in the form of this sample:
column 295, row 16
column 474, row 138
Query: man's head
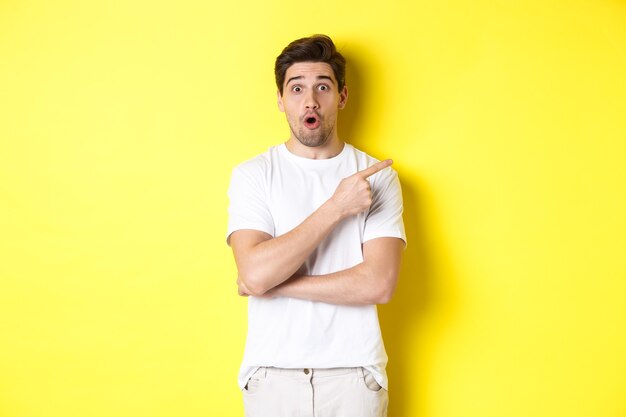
column 316, row 48
column 311, row 90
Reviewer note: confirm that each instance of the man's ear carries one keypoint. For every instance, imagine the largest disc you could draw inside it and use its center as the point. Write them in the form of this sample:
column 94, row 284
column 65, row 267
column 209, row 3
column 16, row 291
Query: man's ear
column 279, row 97
column 343, row 97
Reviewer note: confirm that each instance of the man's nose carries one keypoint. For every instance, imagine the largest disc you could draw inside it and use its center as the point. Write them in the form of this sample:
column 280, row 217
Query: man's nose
column 310, row 100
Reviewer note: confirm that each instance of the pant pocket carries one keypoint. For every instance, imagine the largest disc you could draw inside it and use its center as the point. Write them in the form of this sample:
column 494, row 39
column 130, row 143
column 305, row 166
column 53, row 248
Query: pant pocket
column 254, row 382
column 370, row 381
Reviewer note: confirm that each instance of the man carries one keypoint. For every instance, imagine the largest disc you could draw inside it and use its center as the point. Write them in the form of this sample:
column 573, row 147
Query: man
column 316, row 230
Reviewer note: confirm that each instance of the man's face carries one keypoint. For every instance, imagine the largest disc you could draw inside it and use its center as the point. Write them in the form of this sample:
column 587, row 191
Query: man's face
column 311, row 100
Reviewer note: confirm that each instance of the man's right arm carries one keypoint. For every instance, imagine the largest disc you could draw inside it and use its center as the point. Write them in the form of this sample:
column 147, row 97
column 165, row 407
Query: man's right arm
column 264, row 262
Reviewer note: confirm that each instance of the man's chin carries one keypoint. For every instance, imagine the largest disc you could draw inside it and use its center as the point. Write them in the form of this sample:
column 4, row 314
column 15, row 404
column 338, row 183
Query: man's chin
column 311, row 142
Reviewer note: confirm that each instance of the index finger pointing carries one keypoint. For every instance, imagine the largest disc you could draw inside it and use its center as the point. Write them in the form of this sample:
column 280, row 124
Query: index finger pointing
column 373, row 169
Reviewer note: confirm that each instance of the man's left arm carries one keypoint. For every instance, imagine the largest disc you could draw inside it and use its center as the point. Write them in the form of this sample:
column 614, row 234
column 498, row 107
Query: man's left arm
column 373, row 281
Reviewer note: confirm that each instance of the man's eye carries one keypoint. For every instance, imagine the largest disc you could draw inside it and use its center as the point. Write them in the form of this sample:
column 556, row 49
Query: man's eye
column 323, row 87
column 296, row 89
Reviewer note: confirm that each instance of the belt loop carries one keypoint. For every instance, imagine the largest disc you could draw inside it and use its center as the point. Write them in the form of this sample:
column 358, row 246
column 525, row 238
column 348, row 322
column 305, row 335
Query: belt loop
column 263, row 371
column 360, row 372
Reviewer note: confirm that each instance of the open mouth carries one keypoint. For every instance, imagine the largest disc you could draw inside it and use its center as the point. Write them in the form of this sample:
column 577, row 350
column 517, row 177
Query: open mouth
column 312, row 122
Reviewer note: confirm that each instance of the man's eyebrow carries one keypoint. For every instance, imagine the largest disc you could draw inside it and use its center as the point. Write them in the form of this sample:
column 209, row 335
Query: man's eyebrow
column 325, row 77
column 319, row 77
column 294, row 78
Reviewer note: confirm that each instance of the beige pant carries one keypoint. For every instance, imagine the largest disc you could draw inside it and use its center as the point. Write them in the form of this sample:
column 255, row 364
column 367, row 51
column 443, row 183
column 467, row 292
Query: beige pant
column 337, row 392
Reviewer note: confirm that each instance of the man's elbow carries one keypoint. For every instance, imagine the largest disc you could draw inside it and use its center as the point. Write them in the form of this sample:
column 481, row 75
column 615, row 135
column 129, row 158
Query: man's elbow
column 254, row 284
column 384, row 296
column 385, row 288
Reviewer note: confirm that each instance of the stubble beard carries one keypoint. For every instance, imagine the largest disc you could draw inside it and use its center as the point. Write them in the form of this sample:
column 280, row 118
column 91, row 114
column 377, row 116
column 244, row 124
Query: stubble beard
column 312, row 138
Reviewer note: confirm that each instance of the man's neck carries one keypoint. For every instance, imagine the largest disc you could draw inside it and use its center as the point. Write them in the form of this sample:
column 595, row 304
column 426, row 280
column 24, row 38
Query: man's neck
column 329, row 150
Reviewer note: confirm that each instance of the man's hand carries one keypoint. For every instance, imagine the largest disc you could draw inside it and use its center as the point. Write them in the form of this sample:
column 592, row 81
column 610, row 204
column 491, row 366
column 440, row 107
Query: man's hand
column 354, row 194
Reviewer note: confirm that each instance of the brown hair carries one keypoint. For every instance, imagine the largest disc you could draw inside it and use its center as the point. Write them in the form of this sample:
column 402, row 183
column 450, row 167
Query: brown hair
column 316, row 48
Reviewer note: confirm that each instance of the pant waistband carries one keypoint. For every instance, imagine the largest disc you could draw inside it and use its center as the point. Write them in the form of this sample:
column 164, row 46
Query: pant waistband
column 310, row 372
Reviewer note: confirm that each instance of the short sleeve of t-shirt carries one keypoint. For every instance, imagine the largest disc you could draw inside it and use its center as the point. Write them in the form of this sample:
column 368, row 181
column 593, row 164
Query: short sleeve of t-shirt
column 384, row 218
column 247, row 193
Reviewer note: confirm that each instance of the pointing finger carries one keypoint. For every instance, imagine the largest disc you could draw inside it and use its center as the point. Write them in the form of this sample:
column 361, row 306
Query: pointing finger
column 378, row 166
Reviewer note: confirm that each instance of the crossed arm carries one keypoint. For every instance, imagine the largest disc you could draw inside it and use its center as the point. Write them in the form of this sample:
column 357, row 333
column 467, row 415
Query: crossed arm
column 267, row 266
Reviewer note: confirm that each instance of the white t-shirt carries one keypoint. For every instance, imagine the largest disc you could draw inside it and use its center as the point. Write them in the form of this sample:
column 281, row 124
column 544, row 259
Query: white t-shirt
column 274, row 192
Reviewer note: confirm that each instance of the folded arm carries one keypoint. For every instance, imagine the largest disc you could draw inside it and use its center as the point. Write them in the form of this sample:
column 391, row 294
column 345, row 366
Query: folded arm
column 371, row 282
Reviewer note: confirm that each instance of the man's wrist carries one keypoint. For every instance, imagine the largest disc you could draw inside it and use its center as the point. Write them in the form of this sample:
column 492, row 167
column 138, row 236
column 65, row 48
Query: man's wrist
column 332, row 211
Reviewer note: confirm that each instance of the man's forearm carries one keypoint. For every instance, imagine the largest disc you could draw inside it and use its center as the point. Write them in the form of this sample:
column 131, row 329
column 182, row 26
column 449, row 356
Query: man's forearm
column 353, row 286
column 373, row 281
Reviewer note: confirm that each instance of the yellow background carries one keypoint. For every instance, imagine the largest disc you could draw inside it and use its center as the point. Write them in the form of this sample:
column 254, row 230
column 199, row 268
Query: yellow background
column 120, row 122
